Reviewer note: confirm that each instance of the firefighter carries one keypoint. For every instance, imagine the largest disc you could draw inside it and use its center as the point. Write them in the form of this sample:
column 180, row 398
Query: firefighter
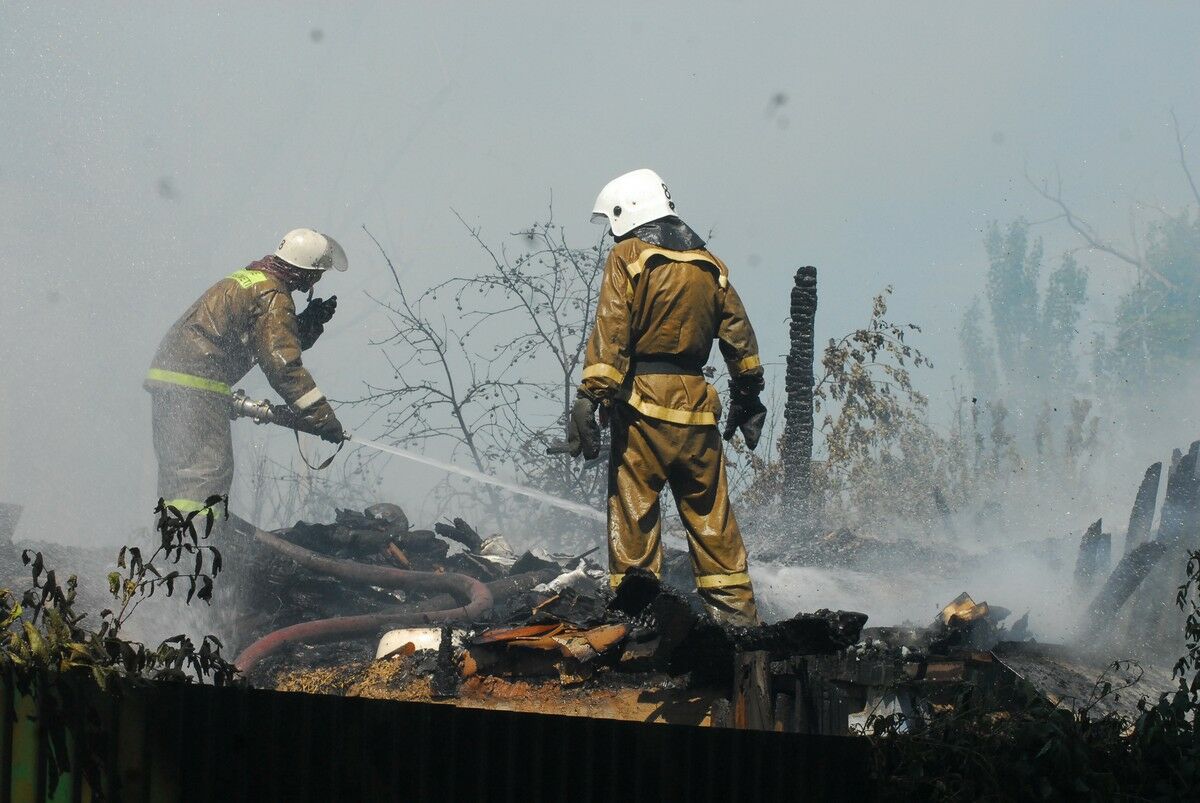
column 247, row 318
column 663, row 300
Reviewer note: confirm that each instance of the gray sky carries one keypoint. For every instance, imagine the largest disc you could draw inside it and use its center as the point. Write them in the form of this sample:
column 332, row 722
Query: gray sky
column 149, row 149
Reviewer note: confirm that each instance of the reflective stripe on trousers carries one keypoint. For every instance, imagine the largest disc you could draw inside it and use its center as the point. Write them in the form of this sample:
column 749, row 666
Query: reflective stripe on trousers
column 702, row 581
column 647, row 455
column 186, row 506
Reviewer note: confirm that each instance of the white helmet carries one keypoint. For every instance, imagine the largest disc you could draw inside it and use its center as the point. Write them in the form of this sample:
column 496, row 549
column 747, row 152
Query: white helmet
column 311, row 250
column 630, row 200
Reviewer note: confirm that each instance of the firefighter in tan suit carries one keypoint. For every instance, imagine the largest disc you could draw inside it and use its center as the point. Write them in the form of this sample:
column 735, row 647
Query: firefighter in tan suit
column 245, row 319
column 663, row 300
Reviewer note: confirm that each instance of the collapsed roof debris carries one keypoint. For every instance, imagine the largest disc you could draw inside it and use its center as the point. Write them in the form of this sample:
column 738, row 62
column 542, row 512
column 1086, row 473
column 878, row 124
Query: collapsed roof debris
column 557, row 638
column 467, row 619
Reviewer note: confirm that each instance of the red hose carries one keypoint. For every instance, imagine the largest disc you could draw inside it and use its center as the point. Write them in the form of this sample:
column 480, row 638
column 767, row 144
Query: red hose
column 474, row 594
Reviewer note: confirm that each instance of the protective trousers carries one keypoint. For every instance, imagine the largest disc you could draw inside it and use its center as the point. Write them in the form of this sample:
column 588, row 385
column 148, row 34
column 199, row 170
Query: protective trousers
column 193, row 444
column 648, row 454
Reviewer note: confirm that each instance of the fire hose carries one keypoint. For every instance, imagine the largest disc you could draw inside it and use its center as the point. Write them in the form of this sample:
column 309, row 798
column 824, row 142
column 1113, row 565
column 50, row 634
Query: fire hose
column 475, row 597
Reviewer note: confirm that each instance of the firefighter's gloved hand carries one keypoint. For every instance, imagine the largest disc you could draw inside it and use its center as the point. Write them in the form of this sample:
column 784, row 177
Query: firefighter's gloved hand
column 321, row 421
column 583, row 433
column 586, row 430
column 747, row 413
column 311, row 322
column 321, row 309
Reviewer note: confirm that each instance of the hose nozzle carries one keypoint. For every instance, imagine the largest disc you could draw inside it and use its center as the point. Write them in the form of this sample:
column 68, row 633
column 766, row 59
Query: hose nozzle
column 261, row 412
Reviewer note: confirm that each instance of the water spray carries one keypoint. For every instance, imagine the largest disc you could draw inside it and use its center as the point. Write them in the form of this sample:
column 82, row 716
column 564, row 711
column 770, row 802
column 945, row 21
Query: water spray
column 263, row 412
column 577, row 508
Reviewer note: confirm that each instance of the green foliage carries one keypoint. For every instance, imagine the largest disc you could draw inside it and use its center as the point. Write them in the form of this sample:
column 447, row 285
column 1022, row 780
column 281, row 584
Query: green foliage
column 1034, row 750
column 1066, row 294
column 872, row 429
column 43, row 632
column 45, row 644
column 978, row 353
column 1155, row 331
column 1034, row 330
column 866, row 389
column 1012, row 292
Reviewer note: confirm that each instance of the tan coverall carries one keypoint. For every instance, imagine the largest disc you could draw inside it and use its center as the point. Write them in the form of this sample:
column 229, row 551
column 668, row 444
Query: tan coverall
column 663, row 309
column 246, row 318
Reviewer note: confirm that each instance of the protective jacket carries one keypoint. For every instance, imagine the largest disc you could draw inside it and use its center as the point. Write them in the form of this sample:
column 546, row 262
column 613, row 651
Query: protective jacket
column 662, row 306
column 245, row 319
column 664, row 298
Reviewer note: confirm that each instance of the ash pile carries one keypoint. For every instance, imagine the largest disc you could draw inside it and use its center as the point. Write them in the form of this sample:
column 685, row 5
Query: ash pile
column 556, row 638
column 553, row 621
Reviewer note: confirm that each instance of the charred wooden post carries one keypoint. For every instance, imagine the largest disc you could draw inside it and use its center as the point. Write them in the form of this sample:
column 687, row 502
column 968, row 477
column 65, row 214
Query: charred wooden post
column 752, row 691
column 832, row 709
column 797, row 444
column 1095, row 550
column 1121, row 584
column 1141, row 517
column 1180, row 506
column 721, row 715
column 783, row 713
column 445, row 680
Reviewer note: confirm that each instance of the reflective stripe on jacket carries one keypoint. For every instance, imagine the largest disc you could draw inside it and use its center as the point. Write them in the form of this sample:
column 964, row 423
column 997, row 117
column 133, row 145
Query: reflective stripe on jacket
column 655, row 301
column 245, row 319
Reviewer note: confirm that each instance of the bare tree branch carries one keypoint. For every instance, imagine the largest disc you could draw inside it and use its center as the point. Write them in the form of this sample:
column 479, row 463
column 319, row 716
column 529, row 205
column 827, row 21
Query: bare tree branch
column 500, row 406
column 1088, row 234
column 1183, row 159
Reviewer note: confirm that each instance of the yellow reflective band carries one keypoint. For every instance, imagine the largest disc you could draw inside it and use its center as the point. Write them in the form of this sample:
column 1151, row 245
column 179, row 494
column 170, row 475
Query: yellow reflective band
column 694, row 418
column 615, row 580
column 748, row 364
column 188, row 381
column 722, row 580
column 604, row 370
column 248, row 278
column 638, row 265
column 186, row 505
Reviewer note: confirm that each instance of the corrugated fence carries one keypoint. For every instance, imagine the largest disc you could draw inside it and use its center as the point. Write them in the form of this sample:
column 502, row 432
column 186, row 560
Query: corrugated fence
column 175, row 742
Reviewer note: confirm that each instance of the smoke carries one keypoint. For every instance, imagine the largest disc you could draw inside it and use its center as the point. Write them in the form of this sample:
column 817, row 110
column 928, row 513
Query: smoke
column 889, row 141
column 908, row 593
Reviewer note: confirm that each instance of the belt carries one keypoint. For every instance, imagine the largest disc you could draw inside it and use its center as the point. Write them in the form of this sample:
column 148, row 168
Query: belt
column 667, row 364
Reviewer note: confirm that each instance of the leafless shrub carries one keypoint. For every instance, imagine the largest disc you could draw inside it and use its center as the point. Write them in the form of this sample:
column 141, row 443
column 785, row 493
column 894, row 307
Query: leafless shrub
column 484, row 369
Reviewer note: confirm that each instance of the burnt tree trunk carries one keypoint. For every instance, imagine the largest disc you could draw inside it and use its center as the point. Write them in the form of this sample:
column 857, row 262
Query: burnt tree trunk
column 1141, row 517
column 1094, row 556
column 1179, row 511
column 797, row 444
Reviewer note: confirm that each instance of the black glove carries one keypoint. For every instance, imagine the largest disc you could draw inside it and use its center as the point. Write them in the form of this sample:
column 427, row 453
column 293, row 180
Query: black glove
column 311, row 322
column 746, row 412
column 583, row 433
column 321, row 421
